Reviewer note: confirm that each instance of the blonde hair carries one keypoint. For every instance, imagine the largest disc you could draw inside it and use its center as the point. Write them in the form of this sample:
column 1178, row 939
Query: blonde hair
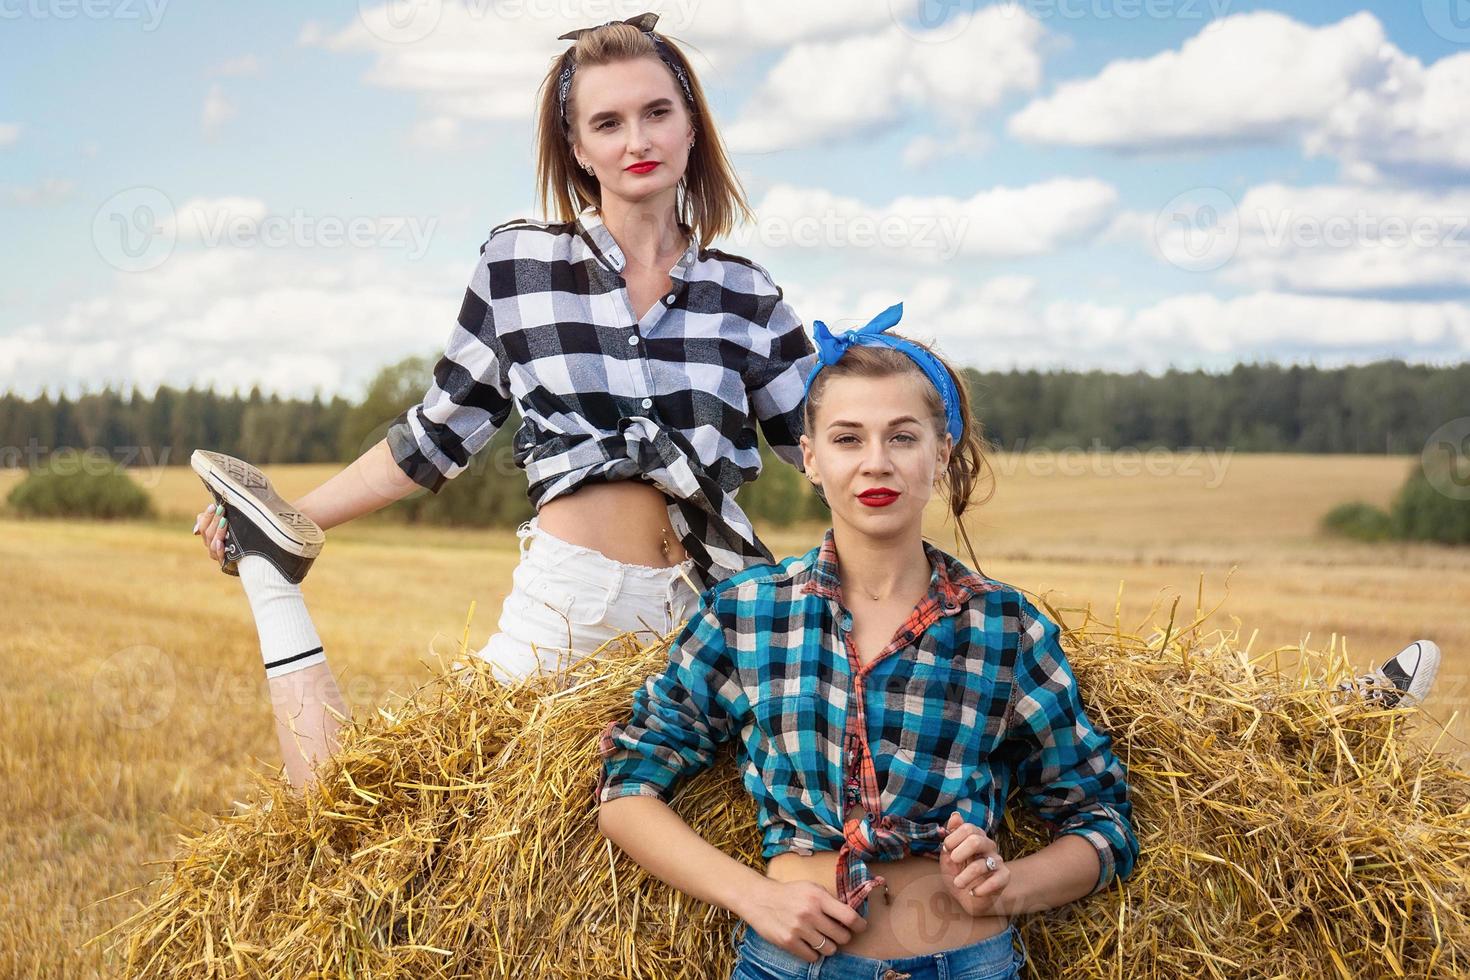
column 968, row 460
column 711, row 201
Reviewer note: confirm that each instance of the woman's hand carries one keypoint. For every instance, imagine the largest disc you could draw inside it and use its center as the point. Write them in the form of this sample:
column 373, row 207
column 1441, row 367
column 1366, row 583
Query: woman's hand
column 210, row 526
column 800, row 916
column 978, row 889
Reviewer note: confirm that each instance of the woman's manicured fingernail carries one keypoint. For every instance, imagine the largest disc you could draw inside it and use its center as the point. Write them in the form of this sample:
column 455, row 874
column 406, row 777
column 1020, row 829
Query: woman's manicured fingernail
column 222, row 521
column 196, row 526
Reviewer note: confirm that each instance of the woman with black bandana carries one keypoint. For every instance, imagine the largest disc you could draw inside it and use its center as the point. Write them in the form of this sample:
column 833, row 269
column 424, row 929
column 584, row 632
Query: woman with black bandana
column 639, row 358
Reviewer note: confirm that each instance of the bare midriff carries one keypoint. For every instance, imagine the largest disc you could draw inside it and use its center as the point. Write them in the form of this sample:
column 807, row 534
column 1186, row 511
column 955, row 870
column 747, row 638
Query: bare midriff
column 919, row 918
column 628, row 521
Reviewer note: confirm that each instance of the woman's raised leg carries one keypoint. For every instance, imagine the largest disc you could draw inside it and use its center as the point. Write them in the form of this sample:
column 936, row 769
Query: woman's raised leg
column 258, row 536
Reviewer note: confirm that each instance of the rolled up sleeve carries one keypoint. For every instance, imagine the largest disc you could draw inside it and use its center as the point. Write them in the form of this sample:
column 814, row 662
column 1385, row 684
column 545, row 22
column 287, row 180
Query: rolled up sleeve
column 1067, row 771
column 776, row 382
column 467, row 402
column 679, row 717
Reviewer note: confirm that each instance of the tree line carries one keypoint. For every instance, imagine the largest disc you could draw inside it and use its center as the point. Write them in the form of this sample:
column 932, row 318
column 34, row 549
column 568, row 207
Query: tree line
column 1383, row 407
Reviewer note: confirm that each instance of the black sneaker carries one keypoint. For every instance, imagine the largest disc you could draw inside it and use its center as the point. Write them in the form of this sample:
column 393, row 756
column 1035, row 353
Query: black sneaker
column 1405, row 678
column 259, row 521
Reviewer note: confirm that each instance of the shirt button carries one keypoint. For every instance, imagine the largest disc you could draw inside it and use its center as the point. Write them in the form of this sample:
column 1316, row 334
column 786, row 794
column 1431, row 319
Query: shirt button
column 647, row 403
column 846, row 623
column 633, row 341
column 670, row 298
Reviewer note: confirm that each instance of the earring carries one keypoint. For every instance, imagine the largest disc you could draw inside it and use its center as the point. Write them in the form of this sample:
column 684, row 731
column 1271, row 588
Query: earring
column 587, row 168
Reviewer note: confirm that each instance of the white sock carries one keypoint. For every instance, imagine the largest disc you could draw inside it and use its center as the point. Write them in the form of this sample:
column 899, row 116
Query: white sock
column 288, row 640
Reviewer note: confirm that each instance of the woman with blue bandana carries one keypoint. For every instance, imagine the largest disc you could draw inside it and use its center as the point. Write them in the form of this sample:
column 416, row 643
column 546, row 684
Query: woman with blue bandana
column 884, row 699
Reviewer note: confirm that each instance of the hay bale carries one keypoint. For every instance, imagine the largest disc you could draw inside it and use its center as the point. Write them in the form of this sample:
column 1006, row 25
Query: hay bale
column 1285, row 831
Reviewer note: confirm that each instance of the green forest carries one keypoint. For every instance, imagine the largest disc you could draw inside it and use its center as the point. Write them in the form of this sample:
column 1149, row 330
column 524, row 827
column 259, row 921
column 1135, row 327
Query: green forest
column 1383, row 407
column 1386, row 407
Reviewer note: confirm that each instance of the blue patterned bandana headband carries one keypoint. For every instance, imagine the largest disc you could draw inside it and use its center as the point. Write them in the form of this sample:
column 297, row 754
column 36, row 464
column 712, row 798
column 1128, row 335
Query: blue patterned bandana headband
column 831, row 348
column 645, row 23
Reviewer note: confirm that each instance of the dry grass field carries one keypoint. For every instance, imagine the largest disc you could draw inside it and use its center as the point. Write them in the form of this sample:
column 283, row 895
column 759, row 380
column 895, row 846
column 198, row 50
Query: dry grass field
column 136, row 702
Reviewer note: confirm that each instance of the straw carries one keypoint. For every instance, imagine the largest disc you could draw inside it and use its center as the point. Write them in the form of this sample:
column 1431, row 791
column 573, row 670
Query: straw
column 1287, row 830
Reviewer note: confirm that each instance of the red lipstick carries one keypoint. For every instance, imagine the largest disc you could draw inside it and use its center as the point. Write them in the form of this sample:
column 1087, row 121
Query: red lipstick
column 644, row 167
column 879, row 496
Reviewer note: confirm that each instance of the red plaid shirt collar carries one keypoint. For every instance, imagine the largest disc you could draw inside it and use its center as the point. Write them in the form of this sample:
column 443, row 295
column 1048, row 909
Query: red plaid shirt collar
column 950, row 582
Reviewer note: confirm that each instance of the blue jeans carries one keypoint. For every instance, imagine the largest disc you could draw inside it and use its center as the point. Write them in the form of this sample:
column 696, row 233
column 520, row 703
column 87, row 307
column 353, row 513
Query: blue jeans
column 989, row 959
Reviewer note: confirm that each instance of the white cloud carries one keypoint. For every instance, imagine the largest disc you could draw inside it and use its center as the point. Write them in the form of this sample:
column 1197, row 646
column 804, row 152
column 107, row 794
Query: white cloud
column 927, row 149
column 49, row 191
column 857, row 86
column 294, row 324
column 243, row 295
column 231, row 318
column 9, row 134
column 1342, row 90
column 734, row 29
column 474, row 64
column 1326, row 239
column 1001, row 222
column 205, row 221
column 217, row 109
column 483, row 62
column 245, row 64
column 1008, row 322
column 439, row 133
column 1246, row 78
column 1413, row 122
column 1271, row 321
column 1343, row 239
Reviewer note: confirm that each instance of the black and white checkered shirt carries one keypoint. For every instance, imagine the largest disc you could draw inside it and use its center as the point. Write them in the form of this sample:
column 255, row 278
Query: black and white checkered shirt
column 672, row 399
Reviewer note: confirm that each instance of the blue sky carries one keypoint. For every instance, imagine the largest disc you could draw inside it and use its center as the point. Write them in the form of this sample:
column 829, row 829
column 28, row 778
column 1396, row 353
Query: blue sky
column 1083, row 149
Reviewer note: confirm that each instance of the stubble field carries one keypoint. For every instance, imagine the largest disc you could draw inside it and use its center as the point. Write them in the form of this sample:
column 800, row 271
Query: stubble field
column 136, row 702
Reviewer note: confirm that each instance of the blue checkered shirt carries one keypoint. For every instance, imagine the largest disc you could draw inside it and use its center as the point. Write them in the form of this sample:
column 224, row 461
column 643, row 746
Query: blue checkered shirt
column 972, row 697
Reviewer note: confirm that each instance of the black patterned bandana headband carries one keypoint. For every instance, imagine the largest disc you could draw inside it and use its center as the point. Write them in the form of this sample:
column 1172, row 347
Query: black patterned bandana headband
column 645, row 23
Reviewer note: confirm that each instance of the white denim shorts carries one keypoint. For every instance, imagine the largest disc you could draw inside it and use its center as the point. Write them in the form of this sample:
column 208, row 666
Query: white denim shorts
column 566, row 601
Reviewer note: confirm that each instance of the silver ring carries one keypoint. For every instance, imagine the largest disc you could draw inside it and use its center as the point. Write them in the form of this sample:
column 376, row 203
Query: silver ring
column 990, row 862
column 818, row 947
